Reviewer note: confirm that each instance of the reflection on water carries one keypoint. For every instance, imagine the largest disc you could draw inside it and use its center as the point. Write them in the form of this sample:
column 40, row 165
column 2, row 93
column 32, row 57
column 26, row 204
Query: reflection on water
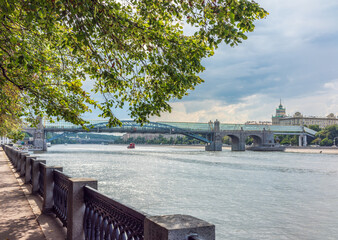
column 247, row 195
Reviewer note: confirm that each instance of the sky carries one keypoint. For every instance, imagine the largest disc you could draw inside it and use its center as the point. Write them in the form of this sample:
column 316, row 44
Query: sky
column 292, row 55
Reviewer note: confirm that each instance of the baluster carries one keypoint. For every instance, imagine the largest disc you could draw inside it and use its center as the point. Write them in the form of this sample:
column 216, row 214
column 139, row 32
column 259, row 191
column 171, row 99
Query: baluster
column 111, row 232
column 98, row 227
column 117, row 232
column 95, row 216
column 124, row 236
column 63, row 202
column 103, row 229
column 86, row 221
column 92, row 223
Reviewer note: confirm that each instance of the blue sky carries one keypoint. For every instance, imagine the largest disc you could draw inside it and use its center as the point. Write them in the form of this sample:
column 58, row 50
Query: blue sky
column 292, row 55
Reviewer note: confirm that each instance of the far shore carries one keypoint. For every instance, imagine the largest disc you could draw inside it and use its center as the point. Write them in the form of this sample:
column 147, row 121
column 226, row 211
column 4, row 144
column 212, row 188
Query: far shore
column 295, row 149
column 319, row 150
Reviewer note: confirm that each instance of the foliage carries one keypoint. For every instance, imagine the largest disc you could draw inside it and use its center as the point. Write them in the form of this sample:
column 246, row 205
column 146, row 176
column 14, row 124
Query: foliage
column 326, row 142
column 249, row 141
column 160, row 140
column 326, row 136
column 286, row 140
column 9, row 107
column 85, row 138
column 15, row 135
column 226, row 140
column 135, row 51
column 315, row 127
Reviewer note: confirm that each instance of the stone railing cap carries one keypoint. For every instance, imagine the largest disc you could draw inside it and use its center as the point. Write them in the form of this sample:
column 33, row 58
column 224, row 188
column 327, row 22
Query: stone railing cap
column 82, row 179
column 179, row 221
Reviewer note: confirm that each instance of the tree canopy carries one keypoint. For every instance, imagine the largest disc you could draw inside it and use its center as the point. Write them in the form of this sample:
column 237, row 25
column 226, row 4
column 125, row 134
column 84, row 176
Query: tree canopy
column 327, row 136
column 134, row 51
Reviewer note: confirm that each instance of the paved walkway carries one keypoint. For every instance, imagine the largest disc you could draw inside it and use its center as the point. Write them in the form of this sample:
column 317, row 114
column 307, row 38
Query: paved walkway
column 17, row 220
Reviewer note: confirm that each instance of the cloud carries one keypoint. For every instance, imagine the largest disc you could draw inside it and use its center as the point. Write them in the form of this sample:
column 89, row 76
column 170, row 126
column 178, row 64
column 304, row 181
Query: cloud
column 256, row 107
column 292, row 54
column 204, row 111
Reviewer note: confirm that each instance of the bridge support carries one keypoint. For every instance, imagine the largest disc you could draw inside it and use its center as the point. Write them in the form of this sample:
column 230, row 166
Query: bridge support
column 39, row 137
column 268, row 138
column 302, row 140
column 238, row 143
column 216, row 144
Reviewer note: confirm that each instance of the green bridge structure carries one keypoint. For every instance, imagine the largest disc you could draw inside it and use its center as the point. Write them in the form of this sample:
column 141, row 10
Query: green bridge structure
column 210, row 133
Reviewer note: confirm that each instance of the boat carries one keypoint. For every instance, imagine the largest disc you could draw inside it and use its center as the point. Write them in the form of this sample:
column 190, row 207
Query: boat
column 131, row 145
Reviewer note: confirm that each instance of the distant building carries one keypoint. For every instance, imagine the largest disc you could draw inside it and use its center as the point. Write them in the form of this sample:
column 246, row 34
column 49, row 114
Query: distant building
column 280, row 113
column 299, row 120
column 257, row 123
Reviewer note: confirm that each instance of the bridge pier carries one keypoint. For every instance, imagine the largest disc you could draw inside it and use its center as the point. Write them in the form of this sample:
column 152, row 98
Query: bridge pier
column 216, row 144
column 302, row 140
column 238, row 144
column 39, row 137
column 268, row 138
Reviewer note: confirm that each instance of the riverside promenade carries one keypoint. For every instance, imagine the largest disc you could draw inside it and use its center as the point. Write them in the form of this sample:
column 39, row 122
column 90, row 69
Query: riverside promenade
column 20, row 215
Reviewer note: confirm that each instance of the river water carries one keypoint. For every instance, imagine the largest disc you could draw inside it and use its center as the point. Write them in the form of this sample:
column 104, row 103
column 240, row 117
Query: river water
column 247, row 195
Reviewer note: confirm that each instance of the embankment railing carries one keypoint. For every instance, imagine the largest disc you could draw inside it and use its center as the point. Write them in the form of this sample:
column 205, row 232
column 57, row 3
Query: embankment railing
column 105, row 218
column 60, row 195
column 90, row 215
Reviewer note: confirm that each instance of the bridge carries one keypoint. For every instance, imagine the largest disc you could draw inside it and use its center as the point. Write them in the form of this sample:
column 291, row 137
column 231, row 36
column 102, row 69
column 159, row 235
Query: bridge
column 210, row 133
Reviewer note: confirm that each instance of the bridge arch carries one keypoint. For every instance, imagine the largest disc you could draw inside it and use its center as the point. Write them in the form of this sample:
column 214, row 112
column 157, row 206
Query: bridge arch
column 257, row 140
column 237, row 143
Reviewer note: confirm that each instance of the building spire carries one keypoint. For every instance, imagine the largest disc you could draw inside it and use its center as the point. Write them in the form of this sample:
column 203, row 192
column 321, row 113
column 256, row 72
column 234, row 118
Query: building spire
column 280, row 103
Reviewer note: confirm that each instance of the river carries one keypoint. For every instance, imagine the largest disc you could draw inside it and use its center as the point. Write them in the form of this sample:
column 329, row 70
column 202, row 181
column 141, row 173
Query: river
column 247, row 195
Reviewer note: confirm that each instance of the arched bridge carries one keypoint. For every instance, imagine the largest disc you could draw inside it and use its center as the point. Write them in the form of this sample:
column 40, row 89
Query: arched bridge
column 210, row 133
column 130, row 127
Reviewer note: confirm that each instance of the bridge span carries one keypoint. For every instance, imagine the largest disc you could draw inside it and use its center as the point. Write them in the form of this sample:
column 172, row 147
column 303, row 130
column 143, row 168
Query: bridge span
column 210, row 133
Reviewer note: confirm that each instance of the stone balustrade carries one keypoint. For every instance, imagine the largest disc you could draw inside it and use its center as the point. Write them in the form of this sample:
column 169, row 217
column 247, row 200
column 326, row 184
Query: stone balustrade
column 88, row 214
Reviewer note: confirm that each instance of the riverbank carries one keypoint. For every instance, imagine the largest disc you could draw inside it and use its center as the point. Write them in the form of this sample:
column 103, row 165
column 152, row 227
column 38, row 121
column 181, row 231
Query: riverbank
column 312, row 150
column 318, row 150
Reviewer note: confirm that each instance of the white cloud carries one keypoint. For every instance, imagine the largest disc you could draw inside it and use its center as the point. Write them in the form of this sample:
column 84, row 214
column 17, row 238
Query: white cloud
column 204, row 111
column 257, row 107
